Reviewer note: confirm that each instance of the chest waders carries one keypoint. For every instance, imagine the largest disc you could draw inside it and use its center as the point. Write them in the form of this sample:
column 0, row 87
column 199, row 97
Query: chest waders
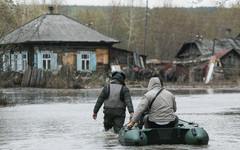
column 114, row 109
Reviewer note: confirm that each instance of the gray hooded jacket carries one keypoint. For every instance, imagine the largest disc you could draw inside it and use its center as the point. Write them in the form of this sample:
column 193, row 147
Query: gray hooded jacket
column 162, row 109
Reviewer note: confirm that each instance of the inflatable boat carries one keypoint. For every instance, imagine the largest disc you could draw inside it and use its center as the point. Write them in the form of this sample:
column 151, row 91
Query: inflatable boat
column 185, row 133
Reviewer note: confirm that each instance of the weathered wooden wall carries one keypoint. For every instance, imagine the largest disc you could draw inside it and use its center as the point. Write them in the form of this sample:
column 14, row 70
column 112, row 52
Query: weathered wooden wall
column 102, row 56
column 116, row 55
column 70, row 59
column 231, row 63
column 31, row 77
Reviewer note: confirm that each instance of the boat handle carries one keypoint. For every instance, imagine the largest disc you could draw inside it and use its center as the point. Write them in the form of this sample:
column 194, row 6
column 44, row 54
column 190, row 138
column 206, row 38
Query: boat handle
column 141, row 135
column 194, row 132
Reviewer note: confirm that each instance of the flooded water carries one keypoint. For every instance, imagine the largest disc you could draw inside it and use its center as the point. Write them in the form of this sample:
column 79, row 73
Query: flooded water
column 46, row 119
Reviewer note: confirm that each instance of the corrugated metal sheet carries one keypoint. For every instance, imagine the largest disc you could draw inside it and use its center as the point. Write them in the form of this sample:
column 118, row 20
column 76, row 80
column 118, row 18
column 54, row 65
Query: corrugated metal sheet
column 218, row 55
column 222, row 53
column 204, row 46
column 153, row 61
column 55, row 28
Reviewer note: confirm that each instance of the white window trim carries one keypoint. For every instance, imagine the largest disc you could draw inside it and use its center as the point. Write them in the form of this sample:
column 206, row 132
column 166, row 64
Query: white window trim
column 24, row 62
column 85, row 60
column 7, row 60
column 46, row 59
column 15, row 59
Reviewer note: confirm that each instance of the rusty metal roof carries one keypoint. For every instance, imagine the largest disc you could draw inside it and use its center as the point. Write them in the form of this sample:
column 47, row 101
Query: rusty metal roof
column 153, row 61
column 217, row 54
column 55, row 28
column 222, row 53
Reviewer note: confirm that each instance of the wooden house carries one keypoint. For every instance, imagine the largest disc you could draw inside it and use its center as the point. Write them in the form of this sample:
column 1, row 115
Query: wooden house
column 121, row 57
column 53, row 40
column 228, row 62
column 195, row 55
column 153, row 63
column 124, row 60
column 193, row 49
column 158, row 65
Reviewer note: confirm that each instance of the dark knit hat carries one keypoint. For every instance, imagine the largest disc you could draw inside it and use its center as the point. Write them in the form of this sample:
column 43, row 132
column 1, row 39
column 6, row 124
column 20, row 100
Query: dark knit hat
column 114, row 74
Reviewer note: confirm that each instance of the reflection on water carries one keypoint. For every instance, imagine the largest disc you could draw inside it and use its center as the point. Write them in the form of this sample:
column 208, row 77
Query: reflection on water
column 194, row 91
column 61, row 119
column 42, row 96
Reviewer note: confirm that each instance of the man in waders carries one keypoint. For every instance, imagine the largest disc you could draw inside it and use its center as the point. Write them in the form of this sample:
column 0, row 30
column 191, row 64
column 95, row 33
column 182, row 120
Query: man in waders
column 116, row 97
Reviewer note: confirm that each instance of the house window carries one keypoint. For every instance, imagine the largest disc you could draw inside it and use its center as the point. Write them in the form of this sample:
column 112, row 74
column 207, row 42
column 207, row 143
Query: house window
column 85, row 62
column 7, row 62
column 46, row 61
column 122, row 59
column 24, row 63
column 15, row 62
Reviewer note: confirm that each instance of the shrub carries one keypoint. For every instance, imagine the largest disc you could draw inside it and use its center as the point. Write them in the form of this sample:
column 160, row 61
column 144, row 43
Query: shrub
column 5, row 101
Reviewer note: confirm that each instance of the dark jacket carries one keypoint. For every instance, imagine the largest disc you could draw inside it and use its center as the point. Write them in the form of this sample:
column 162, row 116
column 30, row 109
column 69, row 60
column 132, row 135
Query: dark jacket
column 124, row 95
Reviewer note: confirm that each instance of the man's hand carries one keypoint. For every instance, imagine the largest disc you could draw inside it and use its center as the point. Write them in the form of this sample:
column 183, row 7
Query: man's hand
column 94, row 116
column 131, row 115
column 130, row 125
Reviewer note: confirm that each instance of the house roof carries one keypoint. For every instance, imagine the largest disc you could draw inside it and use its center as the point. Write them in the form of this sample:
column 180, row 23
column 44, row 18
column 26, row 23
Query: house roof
column 55, row 28
column 217, row 54
column 206, row 58
column 124, row 50
column 229, row 43
column 222, row 53
column 205, row 46
column 238, row 36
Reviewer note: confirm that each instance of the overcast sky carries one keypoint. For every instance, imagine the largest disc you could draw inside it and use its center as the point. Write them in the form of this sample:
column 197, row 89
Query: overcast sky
column 142, row 3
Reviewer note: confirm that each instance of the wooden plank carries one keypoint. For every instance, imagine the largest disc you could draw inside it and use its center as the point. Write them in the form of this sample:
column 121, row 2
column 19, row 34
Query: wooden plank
column 43, row 79
column 27, row 76
column 211, row 68
column 102, row 56
column 48, row 76
column 39, row 73
column 33, row 77
column 70, row 59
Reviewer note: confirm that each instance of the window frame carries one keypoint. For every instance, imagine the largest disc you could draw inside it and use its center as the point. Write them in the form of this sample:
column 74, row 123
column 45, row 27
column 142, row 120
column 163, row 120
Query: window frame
column 15, row 59
column 47, row 61
column 84, row 65
column 24, row 62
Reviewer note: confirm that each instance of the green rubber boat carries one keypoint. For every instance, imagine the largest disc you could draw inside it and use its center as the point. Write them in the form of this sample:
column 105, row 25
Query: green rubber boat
column 185, row 133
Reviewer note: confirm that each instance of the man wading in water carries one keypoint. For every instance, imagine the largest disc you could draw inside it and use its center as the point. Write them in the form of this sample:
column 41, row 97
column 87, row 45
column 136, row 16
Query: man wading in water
column 116, row 97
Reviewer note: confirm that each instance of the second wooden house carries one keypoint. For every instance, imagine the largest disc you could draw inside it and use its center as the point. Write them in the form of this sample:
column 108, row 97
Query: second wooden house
column 194, row 56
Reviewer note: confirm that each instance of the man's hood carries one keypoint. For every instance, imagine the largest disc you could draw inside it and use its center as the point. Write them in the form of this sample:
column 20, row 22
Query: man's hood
column 154, row 83
column 117, row 79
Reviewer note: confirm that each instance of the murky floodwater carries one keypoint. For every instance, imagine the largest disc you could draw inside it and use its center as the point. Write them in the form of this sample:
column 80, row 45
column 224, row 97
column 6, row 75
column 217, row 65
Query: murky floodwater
column 47, row 119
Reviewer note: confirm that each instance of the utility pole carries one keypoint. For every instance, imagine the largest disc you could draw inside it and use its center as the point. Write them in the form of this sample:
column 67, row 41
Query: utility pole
column 213, row 49
column 145, row 29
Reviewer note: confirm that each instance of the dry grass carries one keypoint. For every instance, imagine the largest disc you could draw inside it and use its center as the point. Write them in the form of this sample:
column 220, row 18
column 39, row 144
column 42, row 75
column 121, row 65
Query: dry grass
column 5, row 101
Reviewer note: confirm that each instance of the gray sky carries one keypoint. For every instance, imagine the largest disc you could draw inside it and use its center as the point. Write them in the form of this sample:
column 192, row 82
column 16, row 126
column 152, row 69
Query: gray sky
column 142, row 3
